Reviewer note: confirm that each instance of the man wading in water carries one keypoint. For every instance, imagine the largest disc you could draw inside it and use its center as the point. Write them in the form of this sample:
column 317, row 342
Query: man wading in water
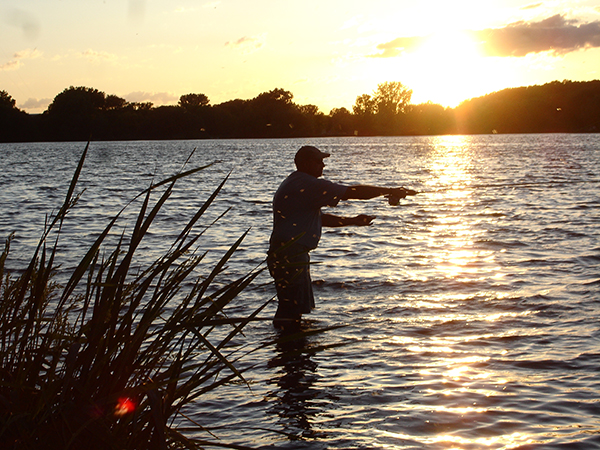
column 297, row 223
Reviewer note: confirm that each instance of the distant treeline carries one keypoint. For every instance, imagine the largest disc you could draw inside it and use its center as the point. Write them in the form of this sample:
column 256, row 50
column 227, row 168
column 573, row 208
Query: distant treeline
column 81, row 113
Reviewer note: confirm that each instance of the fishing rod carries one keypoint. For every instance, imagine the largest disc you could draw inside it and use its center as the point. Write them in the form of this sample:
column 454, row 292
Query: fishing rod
column 393, row 200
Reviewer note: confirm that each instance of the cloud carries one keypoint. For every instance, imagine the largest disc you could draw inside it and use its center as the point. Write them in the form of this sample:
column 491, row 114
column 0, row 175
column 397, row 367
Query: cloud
column 555, row 34
column 248, row 44
column 33, row 104
column 10, row 65
column 18, row 57
column 157, row 98
column 532, row 6
column 29, row 53
column 96, row 56
column 399, row 46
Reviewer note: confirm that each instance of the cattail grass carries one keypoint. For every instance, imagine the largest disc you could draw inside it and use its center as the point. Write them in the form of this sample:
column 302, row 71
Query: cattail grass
column 112, row 359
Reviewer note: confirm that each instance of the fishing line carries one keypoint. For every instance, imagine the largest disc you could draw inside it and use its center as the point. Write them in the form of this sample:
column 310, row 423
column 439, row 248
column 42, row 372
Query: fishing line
column 507, row 185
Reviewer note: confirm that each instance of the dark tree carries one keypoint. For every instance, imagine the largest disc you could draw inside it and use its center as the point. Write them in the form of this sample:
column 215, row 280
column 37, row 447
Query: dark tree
column 193, row 101
column 364, row 111
column 74, row 111
column 197, row 115
column 273, row 114
column 112, row 102
column 556, row 107
column 7, row 103
column 13, row 121
column 81, row 113
column 341, row 122
column 391, row 99
column 429, row 119
column 77, row 100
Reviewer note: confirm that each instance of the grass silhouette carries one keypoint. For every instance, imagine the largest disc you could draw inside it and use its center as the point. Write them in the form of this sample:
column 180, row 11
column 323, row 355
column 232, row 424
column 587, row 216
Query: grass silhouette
column 112, row 359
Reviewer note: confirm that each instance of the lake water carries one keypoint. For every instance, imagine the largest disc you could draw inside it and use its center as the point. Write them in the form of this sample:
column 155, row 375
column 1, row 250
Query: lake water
column 471, row 310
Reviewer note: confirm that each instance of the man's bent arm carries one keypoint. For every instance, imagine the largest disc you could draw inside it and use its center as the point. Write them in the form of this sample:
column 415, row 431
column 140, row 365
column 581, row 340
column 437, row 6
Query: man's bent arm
column 329, row 220
column 365, row 192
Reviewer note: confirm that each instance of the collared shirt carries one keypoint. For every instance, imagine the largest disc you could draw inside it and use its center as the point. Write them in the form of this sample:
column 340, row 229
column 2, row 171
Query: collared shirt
column 297, row 208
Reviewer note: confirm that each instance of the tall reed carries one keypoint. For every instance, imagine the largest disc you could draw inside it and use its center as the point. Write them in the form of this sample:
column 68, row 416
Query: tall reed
column 112, row 359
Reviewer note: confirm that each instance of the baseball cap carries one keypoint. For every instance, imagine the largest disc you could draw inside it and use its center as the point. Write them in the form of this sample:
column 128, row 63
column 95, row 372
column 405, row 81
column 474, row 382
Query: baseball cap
column 308, row 152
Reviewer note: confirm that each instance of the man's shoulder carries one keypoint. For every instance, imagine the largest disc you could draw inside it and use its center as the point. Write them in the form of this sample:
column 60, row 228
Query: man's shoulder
column 303, row 182
column 298, row 178
column 302, row 177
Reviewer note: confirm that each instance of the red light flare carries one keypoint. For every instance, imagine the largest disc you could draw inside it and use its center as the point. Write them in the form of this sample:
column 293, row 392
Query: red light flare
column 124, row 406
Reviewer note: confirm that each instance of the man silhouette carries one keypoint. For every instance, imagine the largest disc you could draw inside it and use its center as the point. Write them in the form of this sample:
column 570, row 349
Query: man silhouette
column 297, row 223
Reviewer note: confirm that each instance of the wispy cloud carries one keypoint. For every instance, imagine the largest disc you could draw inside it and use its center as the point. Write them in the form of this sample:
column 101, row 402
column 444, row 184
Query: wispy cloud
column 33, row 104
column 158, row 98
column 18, row 57
column 248, row 44
column 400, row 45
column 98, row 56
column 30, row 53
column 531, row 6
column 556, row 34
column 10, row 65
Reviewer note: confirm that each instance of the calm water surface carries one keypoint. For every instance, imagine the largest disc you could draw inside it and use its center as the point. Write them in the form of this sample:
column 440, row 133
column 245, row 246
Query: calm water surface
column 471, row 311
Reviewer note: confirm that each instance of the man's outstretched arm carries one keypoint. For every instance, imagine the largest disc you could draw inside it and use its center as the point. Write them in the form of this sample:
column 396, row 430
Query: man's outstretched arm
column 329, row 220
column 365, row 192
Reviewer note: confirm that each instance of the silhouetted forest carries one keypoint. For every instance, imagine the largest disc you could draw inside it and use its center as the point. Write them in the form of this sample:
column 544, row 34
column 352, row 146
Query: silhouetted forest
column 82, row 113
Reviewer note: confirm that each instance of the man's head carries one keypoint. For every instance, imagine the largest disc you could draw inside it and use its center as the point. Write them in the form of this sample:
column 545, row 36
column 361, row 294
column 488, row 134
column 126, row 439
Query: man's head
column 309, row 159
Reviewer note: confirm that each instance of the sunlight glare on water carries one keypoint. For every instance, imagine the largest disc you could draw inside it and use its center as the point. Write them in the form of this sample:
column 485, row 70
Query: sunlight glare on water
column 454, row 372
column 451, row 233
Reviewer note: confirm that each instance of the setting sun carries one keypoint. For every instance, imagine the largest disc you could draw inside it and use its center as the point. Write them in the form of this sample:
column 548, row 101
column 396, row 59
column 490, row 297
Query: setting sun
column 449, row 68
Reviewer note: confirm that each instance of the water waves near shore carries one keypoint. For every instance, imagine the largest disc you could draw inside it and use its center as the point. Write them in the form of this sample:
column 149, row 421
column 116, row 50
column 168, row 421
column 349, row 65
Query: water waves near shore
column 469, row 314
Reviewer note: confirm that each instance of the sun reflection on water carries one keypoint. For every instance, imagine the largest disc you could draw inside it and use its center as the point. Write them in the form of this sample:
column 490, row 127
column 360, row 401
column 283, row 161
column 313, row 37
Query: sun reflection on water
column 507, row 441
column 450, row 163
column 459, row 378
column 459, row 221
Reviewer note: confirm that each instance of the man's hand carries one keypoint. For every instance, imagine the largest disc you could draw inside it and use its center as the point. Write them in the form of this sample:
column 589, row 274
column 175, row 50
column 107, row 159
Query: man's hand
column 398, row 193
column 401, row 192
column 363, row 220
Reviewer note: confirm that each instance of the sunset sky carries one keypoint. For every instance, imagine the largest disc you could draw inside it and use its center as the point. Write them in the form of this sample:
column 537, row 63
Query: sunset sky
column 326, row 52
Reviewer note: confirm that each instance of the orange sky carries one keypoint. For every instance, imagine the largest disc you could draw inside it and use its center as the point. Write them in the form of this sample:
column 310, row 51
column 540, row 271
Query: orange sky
column 325, row 52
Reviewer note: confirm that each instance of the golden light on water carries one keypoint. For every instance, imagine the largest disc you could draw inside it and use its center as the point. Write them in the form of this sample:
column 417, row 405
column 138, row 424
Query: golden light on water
column 451, row 158
column 452, row 234
column 458, row 379
column 505, row 441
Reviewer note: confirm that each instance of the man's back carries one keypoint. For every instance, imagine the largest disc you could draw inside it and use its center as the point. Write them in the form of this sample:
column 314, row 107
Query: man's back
column 297, row 208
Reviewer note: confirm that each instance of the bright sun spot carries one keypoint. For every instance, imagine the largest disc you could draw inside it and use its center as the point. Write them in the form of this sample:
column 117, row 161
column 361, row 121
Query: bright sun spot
column 447, row 69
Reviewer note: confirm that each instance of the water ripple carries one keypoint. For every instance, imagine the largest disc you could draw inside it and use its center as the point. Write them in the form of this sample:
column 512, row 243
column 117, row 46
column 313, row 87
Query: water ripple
column 470, row 312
